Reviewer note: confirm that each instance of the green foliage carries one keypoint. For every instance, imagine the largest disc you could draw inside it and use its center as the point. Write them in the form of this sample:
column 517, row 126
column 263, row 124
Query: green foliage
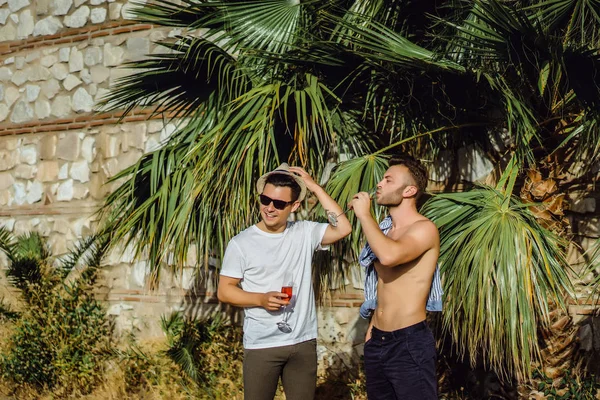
column 571, row 386
column 62, row 338
column 501, row 267
column 207, row 350
column 313, row 83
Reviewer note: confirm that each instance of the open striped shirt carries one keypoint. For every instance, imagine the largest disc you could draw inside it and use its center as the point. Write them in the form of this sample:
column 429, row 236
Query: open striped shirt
column 366, row 259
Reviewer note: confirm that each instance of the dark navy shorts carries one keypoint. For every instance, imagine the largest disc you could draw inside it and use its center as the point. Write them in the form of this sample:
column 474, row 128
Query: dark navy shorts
column 401, row 364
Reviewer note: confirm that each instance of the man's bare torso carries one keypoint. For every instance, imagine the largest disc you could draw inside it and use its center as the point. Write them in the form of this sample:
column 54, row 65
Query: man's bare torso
column 402, row 291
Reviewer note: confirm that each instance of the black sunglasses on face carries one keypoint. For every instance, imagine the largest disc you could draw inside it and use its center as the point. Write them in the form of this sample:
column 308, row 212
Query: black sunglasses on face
column 278, row 204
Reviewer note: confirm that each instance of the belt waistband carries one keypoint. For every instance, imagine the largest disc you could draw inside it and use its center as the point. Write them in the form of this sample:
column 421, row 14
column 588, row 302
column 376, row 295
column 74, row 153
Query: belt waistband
column 380, row 335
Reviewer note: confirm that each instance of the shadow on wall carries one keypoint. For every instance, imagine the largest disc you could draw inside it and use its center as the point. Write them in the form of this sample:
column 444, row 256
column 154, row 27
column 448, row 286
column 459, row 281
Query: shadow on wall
column 342, row 375
column 588, row 354
column 200, row 300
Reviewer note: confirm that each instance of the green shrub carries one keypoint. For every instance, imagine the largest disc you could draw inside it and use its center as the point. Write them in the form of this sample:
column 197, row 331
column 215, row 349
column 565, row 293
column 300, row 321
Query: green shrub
column 209, row 351
column 61, row 339
column 571, row 386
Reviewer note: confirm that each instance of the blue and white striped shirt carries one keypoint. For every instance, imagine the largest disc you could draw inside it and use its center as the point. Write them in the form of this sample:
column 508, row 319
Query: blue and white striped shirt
column 366, row 258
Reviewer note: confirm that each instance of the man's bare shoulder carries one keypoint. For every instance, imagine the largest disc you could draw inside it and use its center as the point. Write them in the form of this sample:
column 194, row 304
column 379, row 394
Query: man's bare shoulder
column 424, row 230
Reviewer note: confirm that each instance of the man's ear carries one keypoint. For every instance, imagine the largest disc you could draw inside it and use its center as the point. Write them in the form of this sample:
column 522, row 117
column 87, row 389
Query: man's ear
column 295, row 206
column 410, row 191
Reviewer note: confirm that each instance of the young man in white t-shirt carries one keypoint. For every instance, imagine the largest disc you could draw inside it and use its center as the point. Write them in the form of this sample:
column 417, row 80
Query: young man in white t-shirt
column 279, row 332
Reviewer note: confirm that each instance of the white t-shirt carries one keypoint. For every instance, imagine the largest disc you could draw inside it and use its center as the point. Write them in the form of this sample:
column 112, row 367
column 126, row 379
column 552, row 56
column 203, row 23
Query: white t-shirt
column 261, row 259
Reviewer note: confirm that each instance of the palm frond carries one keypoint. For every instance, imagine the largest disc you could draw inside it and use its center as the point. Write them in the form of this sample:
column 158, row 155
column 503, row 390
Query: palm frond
column 501, row 269
column 30, row 255
column 377, row 44
column 7, row 242
column 180, row 82
column 88, row 252
column 577, row 22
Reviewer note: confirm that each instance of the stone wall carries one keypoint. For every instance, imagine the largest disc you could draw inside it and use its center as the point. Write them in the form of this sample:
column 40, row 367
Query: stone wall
column 57, row 59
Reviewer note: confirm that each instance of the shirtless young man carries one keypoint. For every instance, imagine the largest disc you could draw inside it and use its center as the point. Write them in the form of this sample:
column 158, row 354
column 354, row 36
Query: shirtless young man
column 399, row 350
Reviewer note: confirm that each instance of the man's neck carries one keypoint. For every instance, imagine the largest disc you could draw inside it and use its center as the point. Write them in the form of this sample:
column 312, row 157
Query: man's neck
column 261, row 225
column 405, row 212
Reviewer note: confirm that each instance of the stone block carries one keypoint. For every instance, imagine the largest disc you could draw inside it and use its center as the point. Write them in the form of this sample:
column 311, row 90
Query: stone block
column 32, row 92
column 28, row 154
column 98, row 189
column 64, row 54
column 47, row 147
column 59, row 71
column 93, row 56
column 63, row 172
column 78, row 18
column 137, row 48
column 109, row 145
column 75, row 60
column 11, row 95
column 42, row 109
column 61, row 226
column 88, row 149
column 8, row 33
column 6, row 180
column 136, row 137
column 58, row 244
column 5, row 74
column 19, row 78
column 98, row 15
column 26, row 25
column 32, row 56
column 4, row 110
column 23, row 171
column 16, row 5
column 10, row 143
column 99, row 73
column 47, row 171
column 21, row 227
column 65, row 191
column 8, row 159
column 114, row 10
column 68, row 146
column 82, row 101
column 152, row 144
column 113, row 55
column 80, row 191
column 6, row 198
column 20, row 193
column 86, row 76
column 4, row 13
column 128, row 159
column 61, row 106
column 80, row 171
column 70, row 82
column 60, row 7
column 47, row 26
column 35, row 191
column 22, row 112
column 50, row 88
column 37, row 73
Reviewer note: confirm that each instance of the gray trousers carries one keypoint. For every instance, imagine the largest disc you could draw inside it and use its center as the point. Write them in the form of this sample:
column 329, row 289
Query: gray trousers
column 295, row 364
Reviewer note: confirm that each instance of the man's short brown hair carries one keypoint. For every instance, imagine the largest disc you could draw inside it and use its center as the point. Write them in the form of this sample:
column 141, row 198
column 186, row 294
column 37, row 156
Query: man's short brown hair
column 416, row 169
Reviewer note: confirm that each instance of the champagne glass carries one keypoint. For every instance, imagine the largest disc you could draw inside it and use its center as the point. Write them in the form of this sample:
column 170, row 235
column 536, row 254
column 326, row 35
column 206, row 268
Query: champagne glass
column 287, row 287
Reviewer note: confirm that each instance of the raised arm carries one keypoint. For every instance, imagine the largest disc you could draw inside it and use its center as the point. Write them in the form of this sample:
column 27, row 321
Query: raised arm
column 343, row 228
column 420, row 237
column 229, row 292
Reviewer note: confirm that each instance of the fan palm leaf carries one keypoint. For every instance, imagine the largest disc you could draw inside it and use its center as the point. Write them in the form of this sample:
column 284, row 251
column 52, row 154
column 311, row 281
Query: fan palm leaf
column 501, row 269
column 577, row 21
